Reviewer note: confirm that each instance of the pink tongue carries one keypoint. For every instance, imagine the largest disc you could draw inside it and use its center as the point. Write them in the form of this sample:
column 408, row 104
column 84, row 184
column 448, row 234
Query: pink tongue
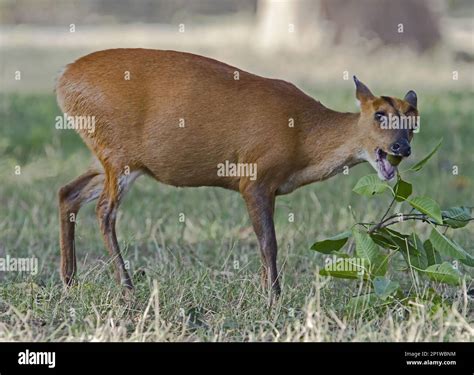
column 388, row 170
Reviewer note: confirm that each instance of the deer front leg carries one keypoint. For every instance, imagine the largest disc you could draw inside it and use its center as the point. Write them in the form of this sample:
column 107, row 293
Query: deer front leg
column 107, row 213
column 260, row 205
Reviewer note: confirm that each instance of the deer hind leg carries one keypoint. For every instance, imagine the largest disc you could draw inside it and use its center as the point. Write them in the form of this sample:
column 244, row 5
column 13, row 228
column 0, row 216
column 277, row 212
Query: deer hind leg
column 115, row 187
column 72, row 197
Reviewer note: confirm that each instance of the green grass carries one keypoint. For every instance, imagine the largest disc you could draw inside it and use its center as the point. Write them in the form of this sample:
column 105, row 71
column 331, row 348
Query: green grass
column 199, row 280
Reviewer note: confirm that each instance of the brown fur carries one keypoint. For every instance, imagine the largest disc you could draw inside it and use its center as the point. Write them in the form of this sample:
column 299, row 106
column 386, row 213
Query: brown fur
column 242, row 121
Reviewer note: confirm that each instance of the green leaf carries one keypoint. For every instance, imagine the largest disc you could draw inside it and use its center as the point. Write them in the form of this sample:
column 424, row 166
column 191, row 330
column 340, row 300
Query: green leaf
column 444, row 273
column 365, row 246
column 396, row 238
column 469, row 260
column 445, row 246
column 329, row 245
column 389, row 239
column 380, row 265
column 370, row 185
column 428, row 207
column 383, row 240
column 394, row 233
column 412, row 250
column 384, row 287
column 340, row 274
column 410, row 246
column 402, row 190
column 423, row 161
column 419, row 259
column 456, row 217
column 340, row 254
column 432, row 255
column 345, row 268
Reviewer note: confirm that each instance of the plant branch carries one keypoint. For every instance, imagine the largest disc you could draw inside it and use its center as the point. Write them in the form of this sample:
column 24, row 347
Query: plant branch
column 385, row 222
column 378, row 226
column 389, row 208
column 413, row 218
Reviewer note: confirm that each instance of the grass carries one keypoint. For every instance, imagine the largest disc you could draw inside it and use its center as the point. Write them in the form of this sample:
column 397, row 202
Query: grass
column 198, row 280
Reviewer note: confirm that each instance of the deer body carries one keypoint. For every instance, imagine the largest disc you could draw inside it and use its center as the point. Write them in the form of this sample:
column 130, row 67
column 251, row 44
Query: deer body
column 178, row 116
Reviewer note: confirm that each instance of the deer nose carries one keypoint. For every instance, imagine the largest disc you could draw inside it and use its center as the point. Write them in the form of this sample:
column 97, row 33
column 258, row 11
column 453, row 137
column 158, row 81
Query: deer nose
column 401, row 147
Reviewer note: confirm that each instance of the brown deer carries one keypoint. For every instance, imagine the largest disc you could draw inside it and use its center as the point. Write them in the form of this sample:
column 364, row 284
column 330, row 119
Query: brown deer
column 177, row 117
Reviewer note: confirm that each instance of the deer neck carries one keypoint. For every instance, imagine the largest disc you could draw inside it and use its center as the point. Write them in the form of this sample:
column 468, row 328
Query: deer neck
column 330, row 144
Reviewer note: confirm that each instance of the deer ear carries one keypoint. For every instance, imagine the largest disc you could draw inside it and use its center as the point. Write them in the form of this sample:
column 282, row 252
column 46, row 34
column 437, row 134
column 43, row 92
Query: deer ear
column 411, row 98
column 362, row 91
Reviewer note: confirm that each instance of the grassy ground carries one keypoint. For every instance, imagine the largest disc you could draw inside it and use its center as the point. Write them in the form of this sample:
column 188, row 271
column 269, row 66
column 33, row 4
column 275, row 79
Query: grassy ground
column 198, row 280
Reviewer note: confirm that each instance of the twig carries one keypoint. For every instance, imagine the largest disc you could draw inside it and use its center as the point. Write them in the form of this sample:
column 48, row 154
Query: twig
column 389, row 208
column 421, row 217
column 414, row 218
column 378, row 226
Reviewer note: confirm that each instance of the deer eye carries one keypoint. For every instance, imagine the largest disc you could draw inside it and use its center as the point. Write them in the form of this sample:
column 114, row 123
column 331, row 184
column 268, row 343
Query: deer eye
column 379, row 116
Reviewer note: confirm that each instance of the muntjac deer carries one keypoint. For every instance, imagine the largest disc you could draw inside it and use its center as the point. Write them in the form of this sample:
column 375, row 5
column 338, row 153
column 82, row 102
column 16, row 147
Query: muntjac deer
column 179, row 118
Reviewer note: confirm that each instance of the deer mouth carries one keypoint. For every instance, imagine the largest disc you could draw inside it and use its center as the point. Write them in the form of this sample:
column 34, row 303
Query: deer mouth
column 386, row 171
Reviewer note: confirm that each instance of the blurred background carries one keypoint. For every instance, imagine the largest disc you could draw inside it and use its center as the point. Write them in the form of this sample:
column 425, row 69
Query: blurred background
column 385, row 42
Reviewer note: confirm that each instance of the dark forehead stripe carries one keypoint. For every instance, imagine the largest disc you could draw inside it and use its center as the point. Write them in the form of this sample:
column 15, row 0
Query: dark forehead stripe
column 391, row 102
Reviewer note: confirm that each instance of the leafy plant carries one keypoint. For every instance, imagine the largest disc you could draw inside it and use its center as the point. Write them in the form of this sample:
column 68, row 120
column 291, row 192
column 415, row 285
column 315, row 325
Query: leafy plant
column 371, row 247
